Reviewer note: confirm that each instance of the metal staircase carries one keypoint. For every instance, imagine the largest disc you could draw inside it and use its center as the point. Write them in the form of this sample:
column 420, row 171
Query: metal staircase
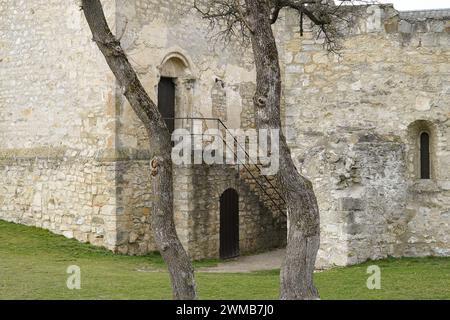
column 265, row 187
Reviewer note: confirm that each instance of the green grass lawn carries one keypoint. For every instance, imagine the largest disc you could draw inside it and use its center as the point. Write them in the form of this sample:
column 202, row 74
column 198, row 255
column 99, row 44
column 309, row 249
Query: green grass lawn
column 33, row 264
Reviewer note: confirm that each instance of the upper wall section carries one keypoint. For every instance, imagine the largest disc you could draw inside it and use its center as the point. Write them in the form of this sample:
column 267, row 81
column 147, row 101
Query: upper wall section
column 354, row 121
column 56, row 92
column 393, row 70
column 215, row 79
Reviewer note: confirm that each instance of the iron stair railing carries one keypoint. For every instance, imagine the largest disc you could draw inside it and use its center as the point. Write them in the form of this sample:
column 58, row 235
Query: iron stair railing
column 220, row 125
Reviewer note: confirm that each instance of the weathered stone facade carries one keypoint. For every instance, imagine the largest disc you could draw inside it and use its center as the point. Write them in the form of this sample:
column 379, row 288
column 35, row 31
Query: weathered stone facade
column 353, row 123
column 57, row 119
column 74, row 158
column 73, row 198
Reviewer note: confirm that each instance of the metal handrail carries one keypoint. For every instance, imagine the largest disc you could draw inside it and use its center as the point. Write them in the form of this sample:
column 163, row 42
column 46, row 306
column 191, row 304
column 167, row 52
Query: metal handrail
column 265, row 177
column 257, row 182
column 219, row 121
column 237, row 143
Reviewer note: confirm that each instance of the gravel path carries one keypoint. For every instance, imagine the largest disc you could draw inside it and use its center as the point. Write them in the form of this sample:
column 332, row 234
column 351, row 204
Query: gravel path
column 264, row 261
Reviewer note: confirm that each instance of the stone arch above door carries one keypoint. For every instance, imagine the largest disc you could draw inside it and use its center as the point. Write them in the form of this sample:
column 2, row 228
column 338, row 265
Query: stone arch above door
column 178, row 67
column 175, row 65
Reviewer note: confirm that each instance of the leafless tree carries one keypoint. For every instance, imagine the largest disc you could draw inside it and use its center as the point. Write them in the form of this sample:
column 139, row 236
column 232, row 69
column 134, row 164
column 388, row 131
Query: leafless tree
column 252, row 20
column 173, row 253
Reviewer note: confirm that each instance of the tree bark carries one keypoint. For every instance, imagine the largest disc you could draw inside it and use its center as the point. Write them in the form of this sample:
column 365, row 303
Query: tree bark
column 173, row 253
column 303, row 214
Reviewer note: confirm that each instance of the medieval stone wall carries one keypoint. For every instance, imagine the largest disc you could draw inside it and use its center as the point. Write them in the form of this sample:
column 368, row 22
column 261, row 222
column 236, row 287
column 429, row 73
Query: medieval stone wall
column 72, row 198
column 197, row 205
column 55, row 90
column 168, row 38
column 57, row 118
column 74, row 158
column 348, row 121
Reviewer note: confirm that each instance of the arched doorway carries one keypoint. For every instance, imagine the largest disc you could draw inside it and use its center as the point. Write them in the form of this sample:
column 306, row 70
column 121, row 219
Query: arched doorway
column 166, row 101
column 174, row 90
column 229, row 224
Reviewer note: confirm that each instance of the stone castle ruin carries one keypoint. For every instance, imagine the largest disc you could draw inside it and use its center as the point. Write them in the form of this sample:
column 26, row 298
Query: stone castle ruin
column 370, row 127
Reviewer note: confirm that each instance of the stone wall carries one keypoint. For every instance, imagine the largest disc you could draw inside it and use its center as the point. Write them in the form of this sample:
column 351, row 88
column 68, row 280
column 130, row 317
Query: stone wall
column 74, row 157
column 56, row 91
column 168, row 38
column 197, row 205
column 134, row 202
column 171, row 40
column 72, row 198
column 57, row 119
column 348, row 121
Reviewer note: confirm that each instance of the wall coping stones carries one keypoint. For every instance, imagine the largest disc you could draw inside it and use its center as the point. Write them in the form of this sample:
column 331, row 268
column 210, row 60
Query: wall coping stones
column 425, row 14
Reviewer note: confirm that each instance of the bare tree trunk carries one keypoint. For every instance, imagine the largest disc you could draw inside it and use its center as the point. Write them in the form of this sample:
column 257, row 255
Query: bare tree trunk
column 304, row 223
column 178, row 262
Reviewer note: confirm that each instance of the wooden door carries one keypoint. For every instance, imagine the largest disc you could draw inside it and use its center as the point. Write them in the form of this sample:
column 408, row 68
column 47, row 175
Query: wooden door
column 229, row 224
column 166, row 101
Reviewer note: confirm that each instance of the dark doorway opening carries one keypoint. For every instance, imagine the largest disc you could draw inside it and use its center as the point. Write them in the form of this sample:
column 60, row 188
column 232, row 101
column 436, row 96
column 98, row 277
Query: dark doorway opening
column 166, row 101
column 229, row 224
column 425, row 156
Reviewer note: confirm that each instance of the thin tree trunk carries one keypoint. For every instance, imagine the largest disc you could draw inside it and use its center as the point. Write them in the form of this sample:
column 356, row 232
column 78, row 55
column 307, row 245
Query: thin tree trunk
column 304, row 226
column 173, row 253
